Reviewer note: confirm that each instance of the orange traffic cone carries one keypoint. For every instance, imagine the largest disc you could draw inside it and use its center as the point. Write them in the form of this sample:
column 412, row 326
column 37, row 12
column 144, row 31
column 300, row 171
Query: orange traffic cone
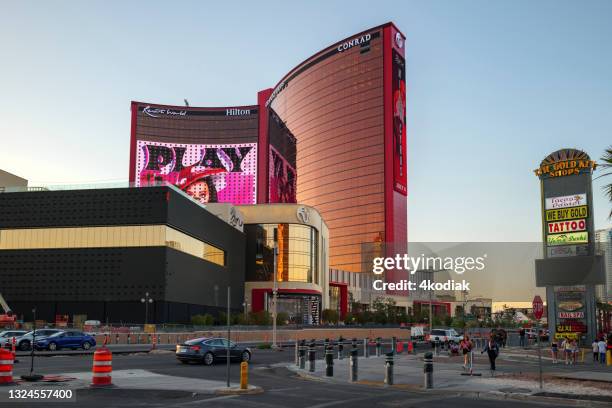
column 102, row 367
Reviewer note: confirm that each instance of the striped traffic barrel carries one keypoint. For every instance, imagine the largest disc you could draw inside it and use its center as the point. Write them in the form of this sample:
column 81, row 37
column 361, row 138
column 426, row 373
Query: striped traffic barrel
column 6, row 367
column 102, row 367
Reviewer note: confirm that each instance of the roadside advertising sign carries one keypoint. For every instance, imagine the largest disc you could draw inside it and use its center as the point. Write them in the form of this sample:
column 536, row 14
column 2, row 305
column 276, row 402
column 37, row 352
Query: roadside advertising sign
column 569, row 238
column 566, row 201
column 567, row 250
column 571, row 315
column 566, row 226
column 571, row 213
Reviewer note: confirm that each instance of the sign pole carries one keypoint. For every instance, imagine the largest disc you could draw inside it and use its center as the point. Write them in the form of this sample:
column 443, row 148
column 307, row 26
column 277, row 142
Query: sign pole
column 538, row 311
column 227, row 351
column 539, row 352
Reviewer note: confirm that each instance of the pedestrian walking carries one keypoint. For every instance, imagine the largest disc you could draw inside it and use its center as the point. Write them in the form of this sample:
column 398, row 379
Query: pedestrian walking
column 602, row 351
column 575, row 349
column 567, row 350
column 492, row 350
column 595, row 347
column 522, row 337
column 554, row 351
column 466, row 347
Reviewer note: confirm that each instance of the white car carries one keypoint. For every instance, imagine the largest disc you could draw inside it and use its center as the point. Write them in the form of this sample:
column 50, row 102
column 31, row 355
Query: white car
column 444, row 336
column 6, row 337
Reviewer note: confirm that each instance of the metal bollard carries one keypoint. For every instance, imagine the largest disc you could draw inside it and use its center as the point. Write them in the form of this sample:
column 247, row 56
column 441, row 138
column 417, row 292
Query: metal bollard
column 329, row 361
column 366, row 347
column 428, row 369
column 302, row 355
column 325, row 344
column 393, row 344
column 437, row 345
column 311, row 357
column 389, row 368
column 244, row 375
column 340, row 348
column 378, row 346
column 353, row 365
column 297, row 352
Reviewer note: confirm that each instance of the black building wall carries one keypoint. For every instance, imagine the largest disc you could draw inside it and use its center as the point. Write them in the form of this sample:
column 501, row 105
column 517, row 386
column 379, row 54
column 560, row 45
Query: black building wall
column 185, row 215
column 107, row 284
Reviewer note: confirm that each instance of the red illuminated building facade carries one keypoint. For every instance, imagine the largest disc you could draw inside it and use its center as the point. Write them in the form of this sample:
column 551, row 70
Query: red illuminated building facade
column 331, row 135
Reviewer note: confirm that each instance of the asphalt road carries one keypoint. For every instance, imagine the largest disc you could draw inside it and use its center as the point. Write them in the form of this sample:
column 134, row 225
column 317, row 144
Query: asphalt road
column 282, row 388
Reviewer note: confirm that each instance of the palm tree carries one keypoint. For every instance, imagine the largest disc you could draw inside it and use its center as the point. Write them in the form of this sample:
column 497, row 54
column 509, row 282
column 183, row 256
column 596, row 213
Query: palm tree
column 606, row 163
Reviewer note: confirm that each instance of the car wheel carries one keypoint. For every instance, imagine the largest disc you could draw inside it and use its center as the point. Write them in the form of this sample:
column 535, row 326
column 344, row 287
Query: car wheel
column 208, row 359
column 246, row 356
column 86, row 345
column 24, row 345
column 52, row 346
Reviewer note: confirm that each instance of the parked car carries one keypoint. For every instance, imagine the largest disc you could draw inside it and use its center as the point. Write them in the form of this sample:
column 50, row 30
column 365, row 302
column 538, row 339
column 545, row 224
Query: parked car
column 25, row 342
column 444, row 336
column 6, row 337
column 207, row 350
column 68, row 339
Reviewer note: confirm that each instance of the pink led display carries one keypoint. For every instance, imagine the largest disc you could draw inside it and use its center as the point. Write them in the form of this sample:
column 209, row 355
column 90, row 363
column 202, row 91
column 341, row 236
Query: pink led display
column 224, row 173
column 282, row 179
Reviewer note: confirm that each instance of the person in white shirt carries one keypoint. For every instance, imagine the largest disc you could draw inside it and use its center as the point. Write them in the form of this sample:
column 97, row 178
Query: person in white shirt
column 602, row 351
column 595, row 347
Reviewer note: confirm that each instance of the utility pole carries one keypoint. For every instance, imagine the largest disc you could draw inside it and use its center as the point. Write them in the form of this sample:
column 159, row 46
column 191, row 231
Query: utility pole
column 274, row 289
column 227, row 350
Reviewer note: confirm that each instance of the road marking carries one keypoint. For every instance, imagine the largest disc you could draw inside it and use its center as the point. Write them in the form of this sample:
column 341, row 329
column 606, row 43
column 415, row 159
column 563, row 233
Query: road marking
column 203, row 401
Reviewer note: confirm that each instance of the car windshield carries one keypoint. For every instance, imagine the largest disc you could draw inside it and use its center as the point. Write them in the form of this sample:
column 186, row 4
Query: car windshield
column 453, row 332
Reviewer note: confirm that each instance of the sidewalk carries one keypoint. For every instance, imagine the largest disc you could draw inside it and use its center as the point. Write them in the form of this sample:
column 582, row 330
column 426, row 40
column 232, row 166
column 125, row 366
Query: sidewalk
column 408, row 372
column 141, row 380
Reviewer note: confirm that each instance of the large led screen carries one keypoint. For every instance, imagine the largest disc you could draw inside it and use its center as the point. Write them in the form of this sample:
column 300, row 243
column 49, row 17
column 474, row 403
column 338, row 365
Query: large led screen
column 399, row 124
column 210, row 173
column 282, row 179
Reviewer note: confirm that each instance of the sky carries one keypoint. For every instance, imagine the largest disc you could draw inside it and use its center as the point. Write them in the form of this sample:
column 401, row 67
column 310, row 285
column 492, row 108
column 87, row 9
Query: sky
column 492, row 88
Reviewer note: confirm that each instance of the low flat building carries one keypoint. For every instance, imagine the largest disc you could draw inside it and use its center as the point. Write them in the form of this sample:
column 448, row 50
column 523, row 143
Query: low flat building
column 302, row 263
column 10, row 181
column 98, row 252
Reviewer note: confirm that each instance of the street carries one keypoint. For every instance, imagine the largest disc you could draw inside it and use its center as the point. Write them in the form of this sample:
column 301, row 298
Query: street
column 282, row 387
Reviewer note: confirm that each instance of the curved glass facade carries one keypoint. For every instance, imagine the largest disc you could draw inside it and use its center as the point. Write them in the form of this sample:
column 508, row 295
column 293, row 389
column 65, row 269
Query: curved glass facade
column 298, row 251
column 333, row 104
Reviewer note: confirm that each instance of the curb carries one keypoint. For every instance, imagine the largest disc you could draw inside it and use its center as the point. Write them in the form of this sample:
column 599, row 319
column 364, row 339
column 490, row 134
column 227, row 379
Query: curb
column 474, row 394
column 84, row 353
column 252, row 390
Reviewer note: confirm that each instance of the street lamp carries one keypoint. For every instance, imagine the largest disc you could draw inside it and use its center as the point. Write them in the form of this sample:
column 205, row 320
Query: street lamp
column 146, row 300
column 245, row 307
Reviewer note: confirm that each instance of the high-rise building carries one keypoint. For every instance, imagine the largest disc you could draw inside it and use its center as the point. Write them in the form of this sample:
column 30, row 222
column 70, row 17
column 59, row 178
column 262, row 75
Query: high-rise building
column 603, row 242
column 345, row 105
column 331, row 135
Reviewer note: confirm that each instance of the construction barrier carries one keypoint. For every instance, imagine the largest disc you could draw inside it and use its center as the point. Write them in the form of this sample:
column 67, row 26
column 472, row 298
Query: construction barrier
column 400, row 347
column 6, row 367
column 102, row 367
